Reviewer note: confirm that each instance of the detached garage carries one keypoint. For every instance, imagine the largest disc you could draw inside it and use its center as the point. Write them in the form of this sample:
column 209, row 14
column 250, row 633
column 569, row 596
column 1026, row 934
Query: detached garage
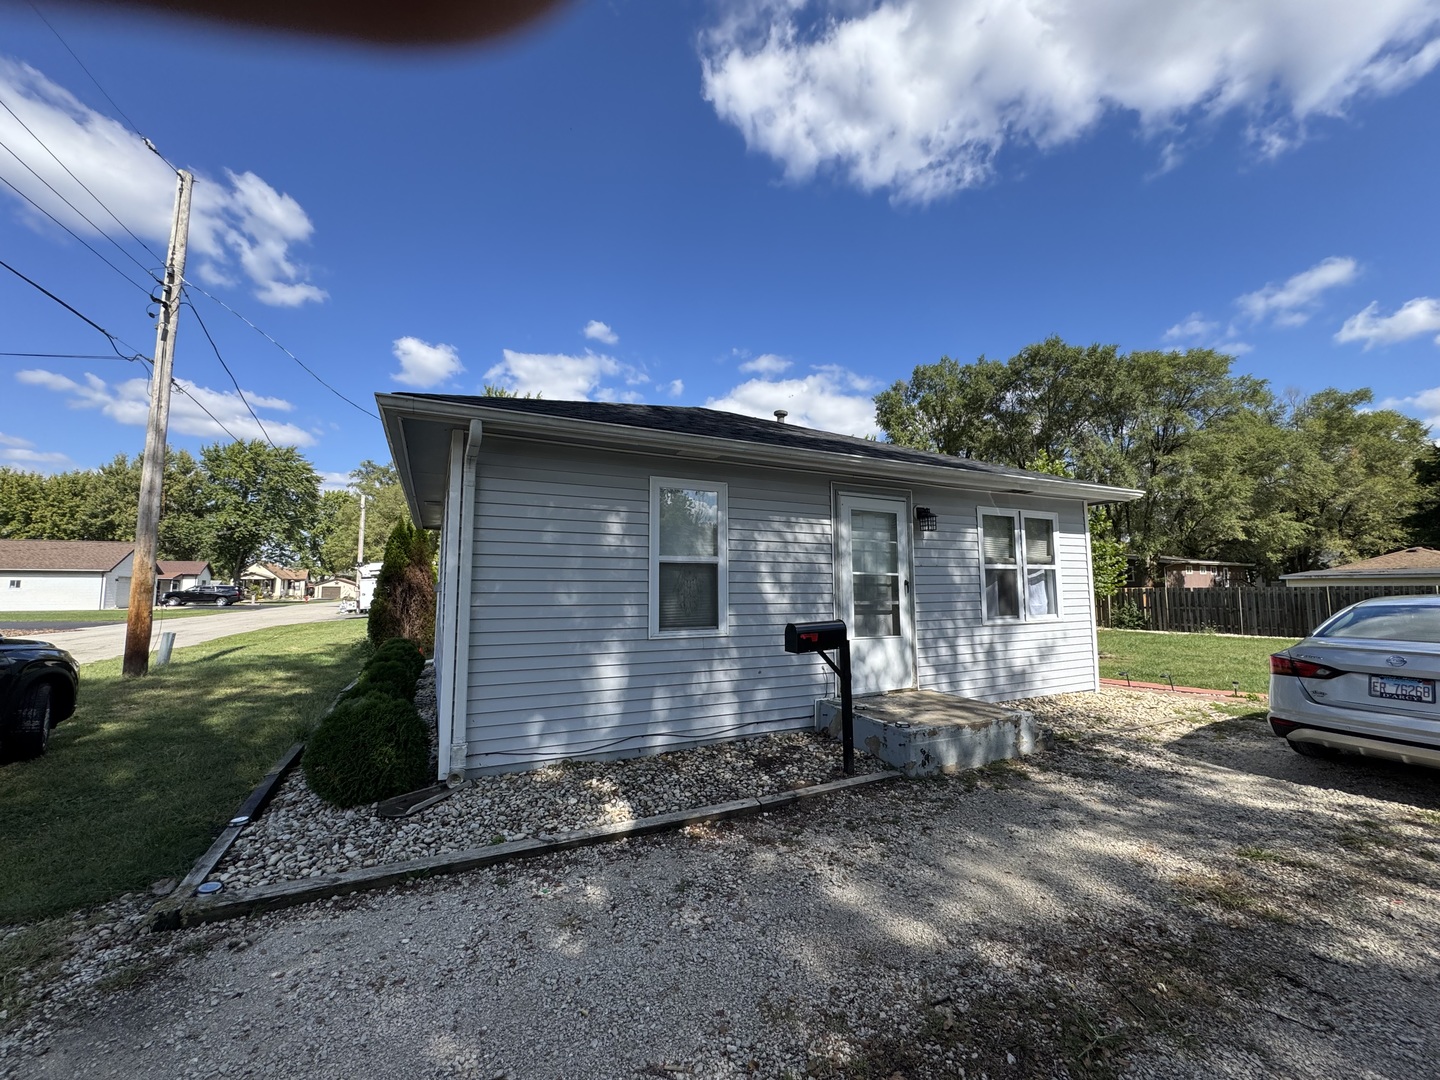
column 65, row 575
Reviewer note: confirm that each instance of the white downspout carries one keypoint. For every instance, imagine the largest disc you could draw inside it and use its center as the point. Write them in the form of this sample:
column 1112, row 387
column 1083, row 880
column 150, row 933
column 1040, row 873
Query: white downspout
column 454, row 742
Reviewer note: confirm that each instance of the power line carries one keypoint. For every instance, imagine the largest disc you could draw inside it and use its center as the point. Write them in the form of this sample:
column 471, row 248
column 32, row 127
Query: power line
column 100, row 202
column 134, row 353
column 233, row 380
column 287, row 352
column 178, row 386
column 66, row 356
column 71, row 231
column 148, row 144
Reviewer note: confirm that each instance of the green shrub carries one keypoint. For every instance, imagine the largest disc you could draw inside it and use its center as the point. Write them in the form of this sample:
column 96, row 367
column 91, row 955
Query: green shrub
column 385, row 676
column 368, row 748
column 404, row 601
column 1129, row 617
column 404, row 650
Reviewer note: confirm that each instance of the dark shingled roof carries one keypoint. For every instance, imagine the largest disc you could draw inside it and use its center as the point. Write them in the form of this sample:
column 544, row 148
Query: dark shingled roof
column 91, row 555
column 691, row 420
column 1416, row 560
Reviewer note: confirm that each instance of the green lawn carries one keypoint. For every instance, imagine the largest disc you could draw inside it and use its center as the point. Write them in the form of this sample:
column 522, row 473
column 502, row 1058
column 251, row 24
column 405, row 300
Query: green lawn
column 1211, row 661
column 137, row 782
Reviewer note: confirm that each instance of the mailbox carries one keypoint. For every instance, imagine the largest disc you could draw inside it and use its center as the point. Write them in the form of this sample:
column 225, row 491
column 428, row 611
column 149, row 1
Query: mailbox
column 809, row 637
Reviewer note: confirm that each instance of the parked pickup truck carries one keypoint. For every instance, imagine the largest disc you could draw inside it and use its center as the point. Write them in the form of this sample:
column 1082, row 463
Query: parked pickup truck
column 38, row 685
column 219, row 595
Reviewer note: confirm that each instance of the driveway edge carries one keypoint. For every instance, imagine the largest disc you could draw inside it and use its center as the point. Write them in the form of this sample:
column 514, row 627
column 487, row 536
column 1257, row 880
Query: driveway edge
column 184, row 909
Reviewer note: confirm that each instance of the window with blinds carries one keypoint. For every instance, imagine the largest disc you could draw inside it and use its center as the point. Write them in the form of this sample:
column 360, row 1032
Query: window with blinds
column 688, row 542
column 1019, row 565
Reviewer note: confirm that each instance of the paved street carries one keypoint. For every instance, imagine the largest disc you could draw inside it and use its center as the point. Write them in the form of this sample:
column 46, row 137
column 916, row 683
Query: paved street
column 106, row 642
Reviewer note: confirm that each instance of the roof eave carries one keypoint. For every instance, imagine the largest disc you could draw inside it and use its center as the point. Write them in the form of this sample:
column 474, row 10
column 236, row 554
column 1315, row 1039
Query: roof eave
column 394, row 408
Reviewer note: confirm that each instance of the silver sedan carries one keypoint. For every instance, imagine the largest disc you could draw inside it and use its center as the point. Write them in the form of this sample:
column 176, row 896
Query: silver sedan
column 1365, row 682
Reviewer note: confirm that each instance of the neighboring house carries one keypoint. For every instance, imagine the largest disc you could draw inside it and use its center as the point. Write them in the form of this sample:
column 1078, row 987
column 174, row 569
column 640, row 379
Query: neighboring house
column 334, row 588
column 1411, row 567
column 616, row 579
column 276, row 582
column 178, row 574
column 65, row 575
column 1182, row 573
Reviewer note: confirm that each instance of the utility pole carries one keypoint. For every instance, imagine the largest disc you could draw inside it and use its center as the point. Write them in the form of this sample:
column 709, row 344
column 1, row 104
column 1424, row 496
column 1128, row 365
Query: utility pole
column 152, row 473
column 360, row 549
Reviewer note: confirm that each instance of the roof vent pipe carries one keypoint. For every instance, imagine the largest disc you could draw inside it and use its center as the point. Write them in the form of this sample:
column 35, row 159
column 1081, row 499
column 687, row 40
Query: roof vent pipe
column 780, row 415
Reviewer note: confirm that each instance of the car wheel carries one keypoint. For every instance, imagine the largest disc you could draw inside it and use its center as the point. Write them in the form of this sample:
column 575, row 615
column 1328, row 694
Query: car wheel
column 175, row 602
column 221, row 601
column 1315, row 750
column 30, row 733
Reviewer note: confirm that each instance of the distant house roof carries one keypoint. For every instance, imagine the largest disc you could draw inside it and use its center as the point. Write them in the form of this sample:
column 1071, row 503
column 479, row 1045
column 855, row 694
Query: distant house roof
column 275, row 570
column 1415, row 562
column 1171, row 559
column 96, row 556
column 173, row 568
column 719, row 436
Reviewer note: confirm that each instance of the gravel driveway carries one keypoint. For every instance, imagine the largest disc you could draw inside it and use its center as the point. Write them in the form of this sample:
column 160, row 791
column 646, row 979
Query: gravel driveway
column 1167, row 893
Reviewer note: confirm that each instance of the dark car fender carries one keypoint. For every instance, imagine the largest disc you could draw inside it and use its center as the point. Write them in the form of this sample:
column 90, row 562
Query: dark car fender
column 14, row 683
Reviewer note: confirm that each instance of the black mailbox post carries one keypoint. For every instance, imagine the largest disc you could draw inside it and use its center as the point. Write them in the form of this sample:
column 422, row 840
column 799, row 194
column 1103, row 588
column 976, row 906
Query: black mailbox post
column 819, row 638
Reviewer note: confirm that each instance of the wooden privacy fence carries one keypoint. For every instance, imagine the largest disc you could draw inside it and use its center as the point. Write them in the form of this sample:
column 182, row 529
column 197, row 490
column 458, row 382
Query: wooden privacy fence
column 1271, row 611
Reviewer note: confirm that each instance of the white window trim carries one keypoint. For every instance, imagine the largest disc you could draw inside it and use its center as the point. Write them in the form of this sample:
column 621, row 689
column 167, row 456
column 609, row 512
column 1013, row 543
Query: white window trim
column 1018, row 517
column 721, row 558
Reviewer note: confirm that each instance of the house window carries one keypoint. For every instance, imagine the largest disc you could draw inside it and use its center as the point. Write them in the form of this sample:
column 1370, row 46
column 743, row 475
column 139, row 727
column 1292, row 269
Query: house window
column 14, row 583
column 688, row 567
column 1019, row 565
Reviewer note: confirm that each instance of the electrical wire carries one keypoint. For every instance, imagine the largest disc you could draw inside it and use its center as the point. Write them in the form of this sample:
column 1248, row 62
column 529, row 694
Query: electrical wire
column 134, row 354
column 100, row 202
column 179, row 387
column 64, row 356
column 144, row 289
column 190, row 284
column 234, row 381
column 148, row 144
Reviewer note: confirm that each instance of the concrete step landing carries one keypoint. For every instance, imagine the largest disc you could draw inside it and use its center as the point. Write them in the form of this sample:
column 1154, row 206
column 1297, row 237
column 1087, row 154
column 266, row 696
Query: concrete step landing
column 922, row 731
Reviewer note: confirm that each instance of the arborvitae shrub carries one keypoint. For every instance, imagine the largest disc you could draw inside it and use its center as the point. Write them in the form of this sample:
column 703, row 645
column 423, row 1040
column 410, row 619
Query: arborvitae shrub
column 368, row 748
column 404, row 600
column 404, row 650
column 385, row 676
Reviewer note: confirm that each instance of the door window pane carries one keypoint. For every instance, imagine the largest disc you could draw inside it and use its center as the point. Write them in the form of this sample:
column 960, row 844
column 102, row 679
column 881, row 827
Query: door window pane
column 875, row 573
column 877, row 605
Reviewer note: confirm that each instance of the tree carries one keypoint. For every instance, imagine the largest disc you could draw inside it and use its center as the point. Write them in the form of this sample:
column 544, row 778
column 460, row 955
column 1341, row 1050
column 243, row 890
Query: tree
column 337, row 526
column 404, row 600
column 1424, row 523
column 260, row 503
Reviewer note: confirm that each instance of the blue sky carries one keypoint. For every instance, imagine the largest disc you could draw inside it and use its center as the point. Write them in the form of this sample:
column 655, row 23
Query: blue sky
column 753, row 205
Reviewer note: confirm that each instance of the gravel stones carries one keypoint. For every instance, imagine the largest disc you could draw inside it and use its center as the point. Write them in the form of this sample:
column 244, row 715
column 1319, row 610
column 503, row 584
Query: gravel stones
column 299, row 836
column 1159, row 897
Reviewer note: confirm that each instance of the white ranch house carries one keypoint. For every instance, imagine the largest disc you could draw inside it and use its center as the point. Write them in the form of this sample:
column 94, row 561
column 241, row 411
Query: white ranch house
column 65, row 575
column 616, row 579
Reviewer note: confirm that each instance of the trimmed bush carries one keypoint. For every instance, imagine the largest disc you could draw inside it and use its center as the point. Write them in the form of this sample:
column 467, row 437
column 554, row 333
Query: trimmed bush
column 368, row 748
column 404, row 601
column 385, row 676
column 404, row 650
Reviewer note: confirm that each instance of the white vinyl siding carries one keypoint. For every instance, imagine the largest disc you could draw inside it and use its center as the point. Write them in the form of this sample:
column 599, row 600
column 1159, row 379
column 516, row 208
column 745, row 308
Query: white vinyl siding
column 959, row 651
column 66, row 590
column 562, row 662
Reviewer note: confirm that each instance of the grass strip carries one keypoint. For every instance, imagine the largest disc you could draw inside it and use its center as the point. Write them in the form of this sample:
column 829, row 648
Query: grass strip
column 137, row 782
column 1208, row 661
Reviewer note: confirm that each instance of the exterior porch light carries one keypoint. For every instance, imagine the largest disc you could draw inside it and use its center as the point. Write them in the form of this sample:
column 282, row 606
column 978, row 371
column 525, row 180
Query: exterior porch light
column 925, row 519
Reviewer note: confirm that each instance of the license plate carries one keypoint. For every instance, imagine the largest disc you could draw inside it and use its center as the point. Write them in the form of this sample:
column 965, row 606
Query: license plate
column 1417, row 690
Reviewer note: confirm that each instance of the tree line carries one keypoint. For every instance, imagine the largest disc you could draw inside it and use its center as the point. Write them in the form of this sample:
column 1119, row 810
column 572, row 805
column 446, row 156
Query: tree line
column 1230, row 469
column 236, row 504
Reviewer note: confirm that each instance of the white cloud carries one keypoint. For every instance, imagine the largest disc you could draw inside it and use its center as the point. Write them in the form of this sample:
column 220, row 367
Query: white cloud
column 424, row 365
column 128, row 402
column 596, row 330
column 1192, row 328
column 14, row 440
column 238, row 222
column 1292, row 303
column 1417, row 317
column 676, row 388
column 334, row 481
column 830, row 399
column 920, row 96
column 34, row 460
column 1425, row 405
column 566, row 378
column 766, row 364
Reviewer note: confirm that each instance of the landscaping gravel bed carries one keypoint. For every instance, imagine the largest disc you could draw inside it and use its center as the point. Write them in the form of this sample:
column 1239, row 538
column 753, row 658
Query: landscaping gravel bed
column 1168, row 894
column 299, row 836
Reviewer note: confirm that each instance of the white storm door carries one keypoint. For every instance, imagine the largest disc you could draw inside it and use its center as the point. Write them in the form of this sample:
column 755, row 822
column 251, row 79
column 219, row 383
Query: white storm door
column 873, row 581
